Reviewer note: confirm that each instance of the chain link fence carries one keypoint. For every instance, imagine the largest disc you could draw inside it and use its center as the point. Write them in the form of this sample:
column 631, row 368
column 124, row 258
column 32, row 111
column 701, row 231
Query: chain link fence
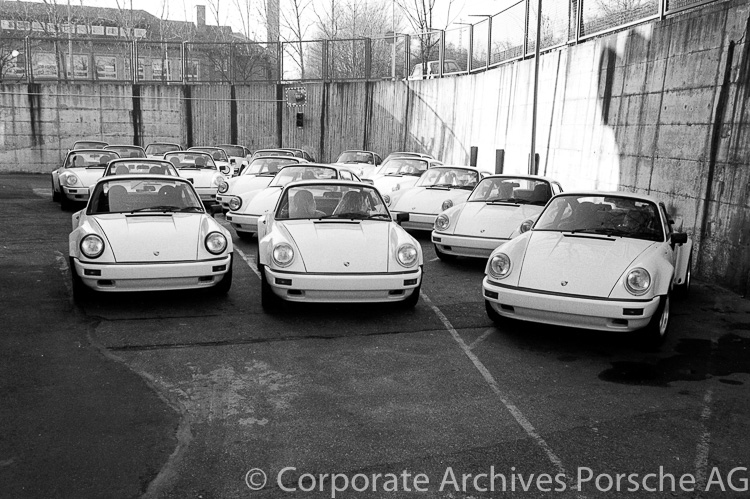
column 465, row 47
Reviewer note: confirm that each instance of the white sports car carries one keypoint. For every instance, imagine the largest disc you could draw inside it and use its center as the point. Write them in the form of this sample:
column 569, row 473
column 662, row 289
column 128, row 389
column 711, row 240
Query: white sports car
column 80, row 170
column 147, row 232
column 247, row 208
column 199, row 168
column 334, row 241
column 438, row 189
column 237, row 156
column 499, row 208
column 594, row 260
column 257, row 175
column 140, row 166
column 399, row 173
column 363, row 163
column 220, row 157
column 157, row 150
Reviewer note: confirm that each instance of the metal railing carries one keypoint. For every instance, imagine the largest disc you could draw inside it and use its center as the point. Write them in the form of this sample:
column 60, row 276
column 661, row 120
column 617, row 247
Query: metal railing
column 464, row 48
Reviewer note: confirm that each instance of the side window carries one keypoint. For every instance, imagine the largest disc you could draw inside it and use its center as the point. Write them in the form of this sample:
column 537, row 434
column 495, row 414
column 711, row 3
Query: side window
column 378, row 160
column 556, row 188
column 346, row 175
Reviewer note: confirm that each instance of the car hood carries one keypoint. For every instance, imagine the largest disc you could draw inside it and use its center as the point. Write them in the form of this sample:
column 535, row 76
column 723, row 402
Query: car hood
column 588, row 265
column 200, row 178
column 386, row 183
column 153, row 237
column 87, row 176
column 247, row 183
column 493, row 220
column 342, row 246
column 429, row 200
column 263, row 202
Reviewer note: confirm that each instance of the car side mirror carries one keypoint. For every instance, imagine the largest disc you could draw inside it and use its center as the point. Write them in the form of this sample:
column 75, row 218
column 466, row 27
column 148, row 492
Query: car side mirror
column 401, row 218
column 679, row 238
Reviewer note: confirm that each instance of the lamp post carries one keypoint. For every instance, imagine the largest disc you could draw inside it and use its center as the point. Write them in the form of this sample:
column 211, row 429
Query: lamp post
column 70, row 45
column 532, row 155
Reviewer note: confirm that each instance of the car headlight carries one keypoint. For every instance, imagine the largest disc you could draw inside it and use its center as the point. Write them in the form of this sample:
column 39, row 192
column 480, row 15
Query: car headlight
column 525, row 226
column 216, row 181
column 396, row 187
column 235, row 203
column 69, row 179
column 283, row 254
column 407, row 255
column 500, row 266
column 387, row 200
column 223, row 187
column 92, row 246
column 447, row 204
column 637, row 281
column 216, row 243
column 442, row 222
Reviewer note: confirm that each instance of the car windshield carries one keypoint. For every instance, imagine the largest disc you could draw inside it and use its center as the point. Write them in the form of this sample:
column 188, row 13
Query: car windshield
column 236, row 151
column 90, row 159
column 89, row 144
column 295, row 173
column 404, row 166
column 216, row 154
column 272, row 152
column 331, row 201
column 188, row 159
column 607, row 215
column 267, row 165
column 355, row 157
column 124, row 195
column 161, row 149
column 451, row 178
column 127, row 151
column 503, row 190
column 131, row 167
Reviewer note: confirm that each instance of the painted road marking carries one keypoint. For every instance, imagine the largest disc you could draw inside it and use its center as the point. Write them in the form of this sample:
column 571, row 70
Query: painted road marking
column 249, row 260
column 510, row 406
column 42, row 192
column 435, row 259
column 701, row 451
column 484, row 336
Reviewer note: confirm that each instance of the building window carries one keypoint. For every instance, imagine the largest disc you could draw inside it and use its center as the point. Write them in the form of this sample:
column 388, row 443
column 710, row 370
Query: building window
column 106, row 68
column 44, row 65
column 192, row 71
column 141, row 69
column 80, row 66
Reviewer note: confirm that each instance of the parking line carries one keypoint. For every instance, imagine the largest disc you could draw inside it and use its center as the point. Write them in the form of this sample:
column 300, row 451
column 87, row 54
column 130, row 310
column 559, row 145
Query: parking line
column 249, row 260
column 483, row 337
column 510, row 406
column 701, row 451
column 435, row 259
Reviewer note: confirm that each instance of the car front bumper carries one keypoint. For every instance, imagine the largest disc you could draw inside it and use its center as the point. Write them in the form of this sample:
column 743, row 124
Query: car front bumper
column 418, row 221
column 343, row 288
column 567, row 310
column 243, row 223
column 114, row 277
column 80, row 194
column 476, row 247
column 207, row 194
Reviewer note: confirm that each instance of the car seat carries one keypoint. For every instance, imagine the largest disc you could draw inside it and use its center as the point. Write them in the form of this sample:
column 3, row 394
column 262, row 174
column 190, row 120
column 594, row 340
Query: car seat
column 118, row 198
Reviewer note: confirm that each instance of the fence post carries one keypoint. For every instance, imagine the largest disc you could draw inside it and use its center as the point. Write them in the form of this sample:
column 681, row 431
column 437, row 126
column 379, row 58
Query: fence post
column 499, row 160
column 578, row 14
column 231, row 64
column 489, row 41
column 368, row 58
column 183, row 61
column 526, row 30
column 473, row 153
column 407, row 56
column 324, row 60
column 441, row 52
column 134, row 61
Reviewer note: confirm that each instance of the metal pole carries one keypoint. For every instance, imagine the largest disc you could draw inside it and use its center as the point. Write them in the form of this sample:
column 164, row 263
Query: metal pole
column 69, row 68
column 393, row 49
column 532, row 165
column 489, row 41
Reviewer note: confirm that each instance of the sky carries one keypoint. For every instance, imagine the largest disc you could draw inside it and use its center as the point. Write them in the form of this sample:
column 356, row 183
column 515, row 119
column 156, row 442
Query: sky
column 184, row 10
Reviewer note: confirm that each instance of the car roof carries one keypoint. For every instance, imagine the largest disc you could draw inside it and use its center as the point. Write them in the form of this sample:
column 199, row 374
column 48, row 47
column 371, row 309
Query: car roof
column 163, row 144
column 462, row 167
column 286, row 158
column 194, row 151
column 146, row 176
column 633, row 195
column 521, row 175
column 329, row 181
column 142, row 160
column 78, row 151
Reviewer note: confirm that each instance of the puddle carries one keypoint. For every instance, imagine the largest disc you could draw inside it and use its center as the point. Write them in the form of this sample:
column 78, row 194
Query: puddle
column 697, row 360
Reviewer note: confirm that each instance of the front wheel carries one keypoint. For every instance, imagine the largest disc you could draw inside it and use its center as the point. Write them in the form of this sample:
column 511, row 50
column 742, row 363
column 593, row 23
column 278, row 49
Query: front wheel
column 65, row 203
column 656, row 332
column 413, row 298
column 81, row 292
column 492, row 313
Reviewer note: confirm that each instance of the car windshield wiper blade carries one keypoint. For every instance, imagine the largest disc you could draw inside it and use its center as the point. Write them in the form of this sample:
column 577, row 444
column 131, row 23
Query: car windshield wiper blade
column 382, row 216
column 609, row 232
column 345, row 216
column 440, row 186
column 508, row 200
column 190, row 208
column 163, row 208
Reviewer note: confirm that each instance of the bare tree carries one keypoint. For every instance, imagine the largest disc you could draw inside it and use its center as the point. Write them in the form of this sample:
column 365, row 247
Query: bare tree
column 295, row 30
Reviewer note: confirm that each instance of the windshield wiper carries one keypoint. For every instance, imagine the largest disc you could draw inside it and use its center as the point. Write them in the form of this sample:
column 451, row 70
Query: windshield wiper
column 508, row 200
column 164, row 209
column 191, row 208
column 609, row 232
column 440, row 186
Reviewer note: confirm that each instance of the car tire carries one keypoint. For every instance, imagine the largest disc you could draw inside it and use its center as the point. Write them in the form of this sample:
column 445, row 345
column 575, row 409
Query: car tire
column 682, row 290
column 268, row 299
column 492, row 313
column 412, row 300
column 443, row 256
column 225, row 284
column 81, row 292
column 245, row 236
column 55, row 194
column 65, row 203
column 656, row 331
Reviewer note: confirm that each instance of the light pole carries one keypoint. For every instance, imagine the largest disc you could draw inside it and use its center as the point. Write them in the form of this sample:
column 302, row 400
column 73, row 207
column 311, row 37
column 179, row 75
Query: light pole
column 532, row 155
column 70, row 45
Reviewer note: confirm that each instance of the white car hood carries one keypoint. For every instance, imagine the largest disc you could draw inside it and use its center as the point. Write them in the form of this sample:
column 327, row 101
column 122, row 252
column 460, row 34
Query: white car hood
column 247, row 183
column 493, row 220
column 589, row 265
column 139, row 237
column 200, row 178
column 87, row 176
column 424, row 200
column 341, row 246
column 386, row 183
column 263, row 202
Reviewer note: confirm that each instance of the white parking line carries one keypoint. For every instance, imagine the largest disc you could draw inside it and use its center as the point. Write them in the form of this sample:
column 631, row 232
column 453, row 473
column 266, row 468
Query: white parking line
column 62, row 263
column 510, row 406
column 701, row 451
column 435, row 259
column 249, row 260
column 484, row 336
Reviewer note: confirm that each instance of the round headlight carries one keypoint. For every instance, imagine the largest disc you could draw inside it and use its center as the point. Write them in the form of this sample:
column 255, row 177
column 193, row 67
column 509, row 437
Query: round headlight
column 223, row 187
column 387, row 199
column 407, row 255
column 500, row 266
column 447, row 204
column 218, row 179
column 69, row 179
column 92, row 246
column 283, row 254
column 525, row 226
column 235, row 203
column 442, row 222
column 637, row 281
column 216, row 243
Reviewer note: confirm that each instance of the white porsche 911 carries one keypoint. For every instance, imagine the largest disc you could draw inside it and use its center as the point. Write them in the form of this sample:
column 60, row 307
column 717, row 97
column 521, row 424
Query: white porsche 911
column 257, row 175
column 200, row 169
column 147, row 232
column 499, row 208
column 71, row 183
column 335, row 241
column 594, row 260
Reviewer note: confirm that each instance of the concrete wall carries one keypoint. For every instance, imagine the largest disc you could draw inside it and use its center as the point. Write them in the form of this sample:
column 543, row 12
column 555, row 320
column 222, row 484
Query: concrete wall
column 660, row 108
